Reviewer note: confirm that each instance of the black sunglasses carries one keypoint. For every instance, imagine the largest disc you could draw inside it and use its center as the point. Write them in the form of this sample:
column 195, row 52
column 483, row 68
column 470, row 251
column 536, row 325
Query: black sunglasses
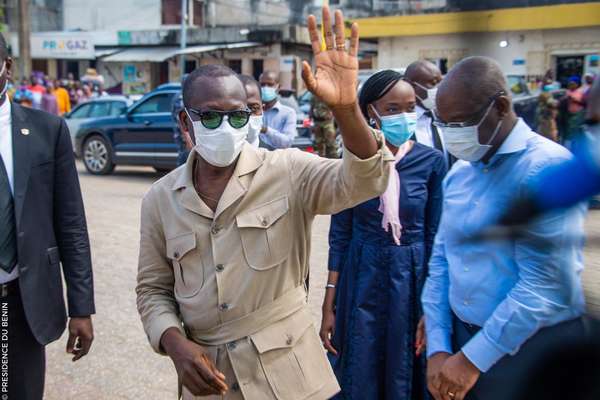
column 212, row 119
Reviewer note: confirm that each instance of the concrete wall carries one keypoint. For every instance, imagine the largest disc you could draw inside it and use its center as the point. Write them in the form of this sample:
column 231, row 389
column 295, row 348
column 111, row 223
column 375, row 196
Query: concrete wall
column 45, row 15
column 248, row 12
column 537, row 48
column 107, row 15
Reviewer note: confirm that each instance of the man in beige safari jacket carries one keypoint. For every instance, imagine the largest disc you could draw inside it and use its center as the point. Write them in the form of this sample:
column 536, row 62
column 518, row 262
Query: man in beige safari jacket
column 230, row 278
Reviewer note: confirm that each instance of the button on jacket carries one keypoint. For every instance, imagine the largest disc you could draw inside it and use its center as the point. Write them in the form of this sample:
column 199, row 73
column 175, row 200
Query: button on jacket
column 232, row 280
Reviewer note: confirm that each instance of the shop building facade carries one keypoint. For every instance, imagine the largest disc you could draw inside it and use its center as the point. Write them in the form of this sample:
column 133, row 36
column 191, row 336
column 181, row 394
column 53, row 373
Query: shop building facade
column 526, row 41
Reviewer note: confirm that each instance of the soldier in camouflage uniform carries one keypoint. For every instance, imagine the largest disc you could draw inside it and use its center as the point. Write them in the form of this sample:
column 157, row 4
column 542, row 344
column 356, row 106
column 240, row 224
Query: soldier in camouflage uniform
column 324, row 129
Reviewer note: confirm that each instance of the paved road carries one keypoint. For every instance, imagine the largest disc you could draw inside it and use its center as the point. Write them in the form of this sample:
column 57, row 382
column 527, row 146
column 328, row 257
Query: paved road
column 122, row 365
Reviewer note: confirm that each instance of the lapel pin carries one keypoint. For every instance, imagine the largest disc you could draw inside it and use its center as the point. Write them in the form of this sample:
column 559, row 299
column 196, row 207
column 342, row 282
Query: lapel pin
column 25, row 131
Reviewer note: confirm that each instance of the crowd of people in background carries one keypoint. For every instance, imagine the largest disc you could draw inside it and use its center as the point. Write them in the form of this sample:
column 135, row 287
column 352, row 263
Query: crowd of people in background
column 559, row 115
column 56, row 96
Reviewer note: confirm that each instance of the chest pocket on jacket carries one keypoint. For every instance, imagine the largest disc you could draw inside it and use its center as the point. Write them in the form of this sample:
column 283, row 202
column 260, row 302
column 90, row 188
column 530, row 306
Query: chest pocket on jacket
column 187, row 264
column 265, row 234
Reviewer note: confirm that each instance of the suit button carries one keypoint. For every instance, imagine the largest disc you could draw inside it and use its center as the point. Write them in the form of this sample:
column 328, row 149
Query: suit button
column 220, row 267
column 264, row 222
column 289, row 340
column 231, row 346
column 176, row 255
column 224, row 307
column 215, row 230
column 235, row 387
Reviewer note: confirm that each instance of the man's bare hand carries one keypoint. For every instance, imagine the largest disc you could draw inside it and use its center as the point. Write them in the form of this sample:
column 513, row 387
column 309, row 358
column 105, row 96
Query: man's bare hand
column 457, row 376
column 336, row 76
column 195, row 370
column 81, row 336
column 434, row 366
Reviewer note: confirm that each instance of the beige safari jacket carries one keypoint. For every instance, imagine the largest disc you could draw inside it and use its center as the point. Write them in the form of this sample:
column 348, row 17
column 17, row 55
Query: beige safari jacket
column 233, row 280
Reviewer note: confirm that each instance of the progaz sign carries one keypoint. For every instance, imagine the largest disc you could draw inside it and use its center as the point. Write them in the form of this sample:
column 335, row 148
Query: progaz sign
column 67, row 45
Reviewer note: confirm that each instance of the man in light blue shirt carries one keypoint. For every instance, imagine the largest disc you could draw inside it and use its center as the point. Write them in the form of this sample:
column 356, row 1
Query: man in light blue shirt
column 279, row 130
column 486, row 302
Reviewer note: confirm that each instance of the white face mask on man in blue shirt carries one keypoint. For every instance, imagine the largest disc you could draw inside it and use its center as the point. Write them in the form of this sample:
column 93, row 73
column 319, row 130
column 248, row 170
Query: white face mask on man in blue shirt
column 463, row 141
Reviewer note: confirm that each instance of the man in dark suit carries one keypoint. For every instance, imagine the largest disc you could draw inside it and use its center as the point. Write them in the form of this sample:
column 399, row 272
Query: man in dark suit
column 42, row 224
column 424, row 77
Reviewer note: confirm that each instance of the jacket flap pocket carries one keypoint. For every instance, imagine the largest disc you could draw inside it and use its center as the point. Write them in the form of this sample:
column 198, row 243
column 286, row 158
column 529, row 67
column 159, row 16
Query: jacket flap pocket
column 53, row 255
column 282, row 334
column 264, row 215
column 180, row 245
column 43, row 163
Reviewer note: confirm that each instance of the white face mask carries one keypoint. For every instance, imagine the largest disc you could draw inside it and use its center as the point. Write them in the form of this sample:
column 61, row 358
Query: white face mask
column 463, row 142
column 254, row 126
column 429, row 101
column 221, row 146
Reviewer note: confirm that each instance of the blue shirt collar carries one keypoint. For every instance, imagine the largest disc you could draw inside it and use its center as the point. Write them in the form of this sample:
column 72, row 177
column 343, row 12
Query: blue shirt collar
column 517, row 139
column 515, row 142
column 276, row 106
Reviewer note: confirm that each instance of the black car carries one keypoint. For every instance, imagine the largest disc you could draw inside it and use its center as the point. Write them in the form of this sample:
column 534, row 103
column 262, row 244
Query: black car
column 142, row 135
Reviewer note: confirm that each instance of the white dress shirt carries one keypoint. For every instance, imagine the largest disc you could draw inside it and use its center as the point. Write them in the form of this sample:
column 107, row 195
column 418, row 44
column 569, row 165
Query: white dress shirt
column 424, row 133
column 6, row 152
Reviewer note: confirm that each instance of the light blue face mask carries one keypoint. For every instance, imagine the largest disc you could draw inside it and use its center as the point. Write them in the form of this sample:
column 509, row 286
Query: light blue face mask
column 268, row 93
column 398, row 128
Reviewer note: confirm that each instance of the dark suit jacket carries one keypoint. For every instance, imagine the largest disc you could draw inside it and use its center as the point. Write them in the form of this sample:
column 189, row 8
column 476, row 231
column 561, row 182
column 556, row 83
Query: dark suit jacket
column 51, row 226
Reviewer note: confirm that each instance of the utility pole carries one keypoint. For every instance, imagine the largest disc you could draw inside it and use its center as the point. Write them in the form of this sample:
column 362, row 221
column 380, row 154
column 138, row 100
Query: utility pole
column 24, row 39
column 183, row 38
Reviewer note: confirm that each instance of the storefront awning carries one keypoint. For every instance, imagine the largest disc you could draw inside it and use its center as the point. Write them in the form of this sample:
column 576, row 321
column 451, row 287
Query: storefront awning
column 105, row 52
column 213, row 47
column 574, row 52
column 143, row 54
column 160, row 54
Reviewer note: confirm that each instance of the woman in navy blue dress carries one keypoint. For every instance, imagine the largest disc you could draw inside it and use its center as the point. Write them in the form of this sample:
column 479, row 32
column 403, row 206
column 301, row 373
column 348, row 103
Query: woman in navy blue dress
column 378, row 259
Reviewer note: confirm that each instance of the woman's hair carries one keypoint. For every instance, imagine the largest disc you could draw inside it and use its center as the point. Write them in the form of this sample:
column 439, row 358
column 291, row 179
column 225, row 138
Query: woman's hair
column 376, row 87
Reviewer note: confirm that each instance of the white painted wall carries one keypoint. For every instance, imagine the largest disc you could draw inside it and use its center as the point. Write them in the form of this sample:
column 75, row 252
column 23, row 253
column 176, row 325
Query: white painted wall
column 536, row 47
column 239, row 12
column 111, row 15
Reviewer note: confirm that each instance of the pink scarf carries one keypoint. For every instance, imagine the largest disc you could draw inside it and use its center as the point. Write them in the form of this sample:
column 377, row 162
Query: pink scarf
column 390, row 200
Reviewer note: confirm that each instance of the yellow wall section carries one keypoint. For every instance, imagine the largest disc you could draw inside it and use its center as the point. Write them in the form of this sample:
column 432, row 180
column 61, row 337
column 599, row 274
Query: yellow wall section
column 510, row 19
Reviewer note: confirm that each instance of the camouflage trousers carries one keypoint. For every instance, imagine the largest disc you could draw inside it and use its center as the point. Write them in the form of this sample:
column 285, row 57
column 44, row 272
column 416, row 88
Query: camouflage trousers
column 325, row 143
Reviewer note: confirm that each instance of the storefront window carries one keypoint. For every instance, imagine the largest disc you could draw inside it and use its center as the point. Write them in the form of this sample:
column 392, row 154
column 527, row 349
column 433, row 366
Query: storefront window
column 171, row 12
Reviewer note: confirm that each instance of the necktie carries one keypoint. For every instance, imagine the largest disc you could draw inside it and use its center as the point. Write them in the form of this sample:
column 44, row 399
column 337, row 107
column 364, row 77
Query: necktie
column 8, row 240
column 435, row 135
column 437, row 141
